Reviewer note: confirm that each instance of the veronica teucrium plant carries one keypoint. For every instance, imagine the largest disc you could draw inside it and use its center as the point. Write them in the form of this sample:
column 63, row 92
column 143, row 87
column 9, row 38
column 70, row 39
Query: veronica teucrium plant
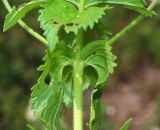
column 76, row 59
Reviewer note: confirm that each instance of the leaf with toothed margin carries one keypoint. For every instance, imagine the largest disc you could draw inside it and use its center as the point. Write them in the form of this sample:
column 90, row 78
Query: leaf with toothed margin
column 46, row 98
column 51, row 32
column 16, row 14
column 54, row 14
column 45, row 103
column 86, row 19
column 99, row 57
column 59, row 11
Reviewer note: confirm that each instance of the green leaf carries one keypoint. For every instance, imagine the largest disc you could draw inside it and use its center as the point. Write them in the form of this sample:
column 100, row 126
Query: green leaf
column 90, row 77
column 137, row 5
column 96, row 116
column 50, row 31
column 59, row 11
column 46, row 98
column 100, row 65
column 98, row 55
column 45, row 102
column 133, row 3
column 142, row 11
column 86, row 19
column 30, row 127
column 53, row 16
column 68, row 95
column 126, row 124
column 16, row 14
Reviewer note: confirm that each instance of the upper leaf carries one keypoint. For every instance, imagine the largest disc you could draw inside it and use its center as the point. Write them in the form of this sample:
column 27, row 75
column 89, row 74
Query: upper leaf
column 137, row 5
column 16, row 14
column 86, row 19
column 59, row 11
column 50, row 31
column 54, row 14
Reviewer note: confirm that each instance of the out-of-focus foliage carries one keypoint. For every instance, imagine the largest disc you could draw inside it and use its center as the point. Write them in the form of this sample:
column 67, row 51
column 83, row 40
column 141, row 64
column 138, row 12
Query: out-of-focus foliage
column 20, row 55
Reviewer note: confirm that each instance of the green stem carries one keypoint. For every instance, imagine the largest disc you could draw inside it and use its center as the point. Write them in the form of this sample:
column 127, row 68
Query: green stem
column 81, row 7
column 25, row 26
column 78, row 95
column 78, row 80
column 131, row 25
column 78, row 84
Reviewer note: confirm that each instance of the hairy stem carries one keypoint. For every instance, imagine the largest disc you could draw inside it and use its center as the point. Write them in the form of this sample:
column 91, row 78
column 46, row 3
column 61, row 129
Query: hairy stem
column 78, row 84
column 78, row 95
column 25, row 26
column 131, row 25
column 78, row 79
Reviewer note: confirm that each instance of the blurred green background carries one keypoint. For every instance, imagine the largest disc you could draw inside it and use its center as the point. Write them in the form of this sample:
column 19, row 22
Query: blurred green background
column 132, row 91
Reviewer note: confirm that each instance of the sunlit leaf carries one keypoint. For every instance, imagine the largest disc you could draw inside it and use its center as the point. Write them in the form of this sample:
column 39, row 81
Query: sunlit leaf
column 86, row 19
column 54, row 15
column 16, row 14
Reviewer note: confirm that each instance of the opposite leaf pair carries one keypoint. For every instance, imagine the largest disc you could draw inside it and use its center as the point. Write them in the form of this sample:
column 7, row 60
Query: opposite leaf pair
column 96, row 57
column 60, row 13
column 98, row 63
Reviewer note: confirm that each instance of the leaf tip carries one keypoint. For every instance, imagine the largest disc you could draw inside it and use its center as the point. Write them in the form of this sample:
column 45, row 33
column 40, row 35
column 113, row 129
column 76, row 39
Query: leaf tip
column 127, row 124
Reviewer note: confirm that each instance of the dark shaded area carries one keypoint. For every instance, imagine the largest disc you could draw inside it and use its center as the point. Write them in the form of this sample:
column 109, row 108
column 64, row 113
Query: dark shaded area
column 132, row 91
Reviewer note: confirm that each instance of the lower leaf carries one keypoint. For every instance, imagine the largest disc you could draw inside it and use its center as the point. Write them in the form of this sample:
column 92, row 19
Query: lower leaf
column 96, row 116
column 126, row 124
column 45, row 102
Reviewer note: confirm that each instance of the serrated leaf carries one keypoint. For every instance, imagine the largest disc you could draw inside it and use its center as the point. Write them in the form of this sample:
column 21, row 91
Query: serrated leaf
column 99, row 64
column 45, row 102
column 16, row 14
column 51, row 32
column 47, row 97
column 126, row 124
column 98, row 55
column 59, row 11
column 96, row 115
column 54, row 103
column 137, row 5
column 86, row 19
column 54, row 15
